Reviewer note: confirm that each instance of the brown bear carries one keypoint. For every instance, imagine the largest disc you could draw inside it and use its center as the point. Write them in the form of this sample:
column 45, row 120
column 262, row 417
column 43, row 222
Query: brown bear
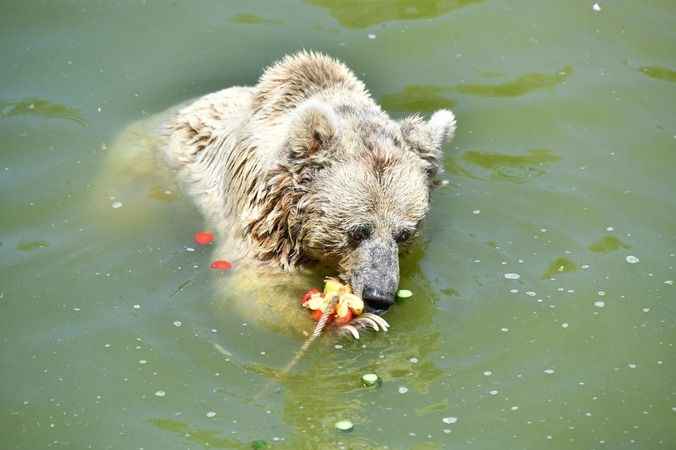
column 304, row 168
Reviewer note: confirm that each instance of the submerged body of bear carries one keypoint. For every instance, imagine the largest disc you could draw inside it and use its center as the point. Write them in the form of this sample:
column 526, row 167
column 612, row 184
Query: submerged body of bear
column 306, row 168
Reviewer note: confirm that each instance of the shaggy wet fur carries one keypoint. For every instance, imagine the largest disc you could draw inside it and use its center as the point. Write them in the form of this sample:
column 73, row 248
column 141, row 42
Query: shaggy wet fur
column 305, row 167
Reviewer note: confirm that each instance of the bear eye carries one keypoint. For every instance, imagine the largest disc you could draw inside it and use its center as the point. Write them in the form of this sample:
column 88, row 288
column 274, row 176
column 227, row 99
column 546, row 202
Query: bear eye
column 359, row 233
column 403, row 235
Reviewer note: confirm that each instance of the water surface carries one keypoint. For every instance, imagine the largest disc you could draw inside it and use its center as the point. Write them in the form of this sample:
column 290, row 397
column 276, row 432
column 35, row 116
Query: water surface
column 114, row 334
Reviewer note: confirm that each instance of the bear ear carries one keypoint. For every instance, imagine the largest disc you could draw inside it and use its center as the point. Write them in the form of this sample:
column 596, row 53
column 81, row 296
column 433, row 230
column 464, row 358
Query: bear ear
column 312, row 131
column 428, row 138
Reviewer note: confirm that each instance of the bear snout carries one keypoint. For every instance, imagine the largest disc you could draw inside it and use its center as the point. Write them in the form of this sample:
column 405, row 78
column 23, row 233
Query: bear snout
column 377, row 300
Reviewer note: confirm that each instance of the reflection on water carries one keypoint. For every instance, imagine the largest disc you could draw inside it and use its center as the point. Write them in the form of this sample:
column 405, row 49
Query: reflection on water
column 326, row 386
column 361, row 14
column 41, row 108
column 659, row 73
column 417, row 98
column 523, row 85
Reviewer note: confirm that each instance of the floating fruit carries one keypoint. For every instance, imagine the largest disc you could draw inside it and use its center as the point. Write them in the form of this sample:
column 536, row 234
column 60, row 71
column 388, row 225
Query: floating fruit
column 221, row 265
column 203, row 237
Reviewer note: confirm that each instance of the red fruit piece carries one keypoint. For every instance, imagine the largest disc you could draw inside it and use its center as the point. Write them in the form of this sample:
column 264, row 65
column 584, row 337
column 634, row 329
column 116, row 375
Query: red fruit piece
column 317, row 314
column 204, row 237
column 345, row 319
column 221, row 265
column 309, row 294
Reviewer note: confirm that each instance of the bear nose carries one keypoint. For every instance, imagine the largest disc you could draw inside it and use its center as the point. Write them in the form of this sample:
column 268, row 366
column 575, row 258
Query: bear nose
column 377, row 300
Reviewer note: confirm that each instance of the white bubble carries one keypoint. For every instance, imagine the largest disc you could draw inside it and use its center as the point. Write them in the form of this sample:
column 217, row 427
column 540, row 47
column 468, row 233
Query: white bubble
column 601, row 293
column 413, row 360
column 488, row 373
column 631, row 259
column 177, row 323
column 669, row 282
column 632, row 365
column 504, row 330
column 137, row 306
column 450, row 420
column 514, row 408
column 476, row 211
column 116, row 205
column 211, row 414
column 403, row 389
column 160, row 393
column 512, row 276
column 564, row 325
column 531, row 294
column 599, row 303
column 549, row 371
column 142, row 361
column 494, row 392
column 610, row 229
column 596, row 7
column 371, row 36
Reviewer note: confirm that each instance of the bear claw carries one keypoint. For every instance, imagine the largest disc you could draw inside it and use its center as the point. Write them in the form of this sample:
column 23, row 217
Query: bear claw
column 366, row 320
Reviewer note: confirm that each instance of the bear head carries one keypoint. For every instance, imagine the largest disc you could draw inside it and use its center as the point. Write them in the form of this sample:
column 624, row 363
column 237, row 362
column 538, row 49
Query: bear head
column 351, row 192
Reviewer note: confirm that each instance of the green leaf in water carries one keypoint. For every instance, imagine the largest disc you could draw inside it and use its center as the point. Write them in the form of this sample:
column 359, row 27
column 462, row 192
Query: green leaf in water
column 29, row 246
column 514, row 168
column 523, row 85
column 417, row 98
column 659, row 73
column 608, row 244
column 42, row 108
column 361, row 14
column 560, row 265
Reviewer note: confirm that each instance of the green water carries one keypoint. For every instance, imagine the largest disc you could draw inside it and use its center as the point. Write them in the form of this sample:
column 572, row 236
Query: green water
column 563, row 167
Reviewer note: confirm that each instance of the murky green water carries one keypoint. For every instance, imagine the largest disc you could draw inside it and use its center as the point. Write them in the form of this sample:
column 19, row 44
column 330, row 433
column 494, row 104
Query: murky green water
column 563, row 168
